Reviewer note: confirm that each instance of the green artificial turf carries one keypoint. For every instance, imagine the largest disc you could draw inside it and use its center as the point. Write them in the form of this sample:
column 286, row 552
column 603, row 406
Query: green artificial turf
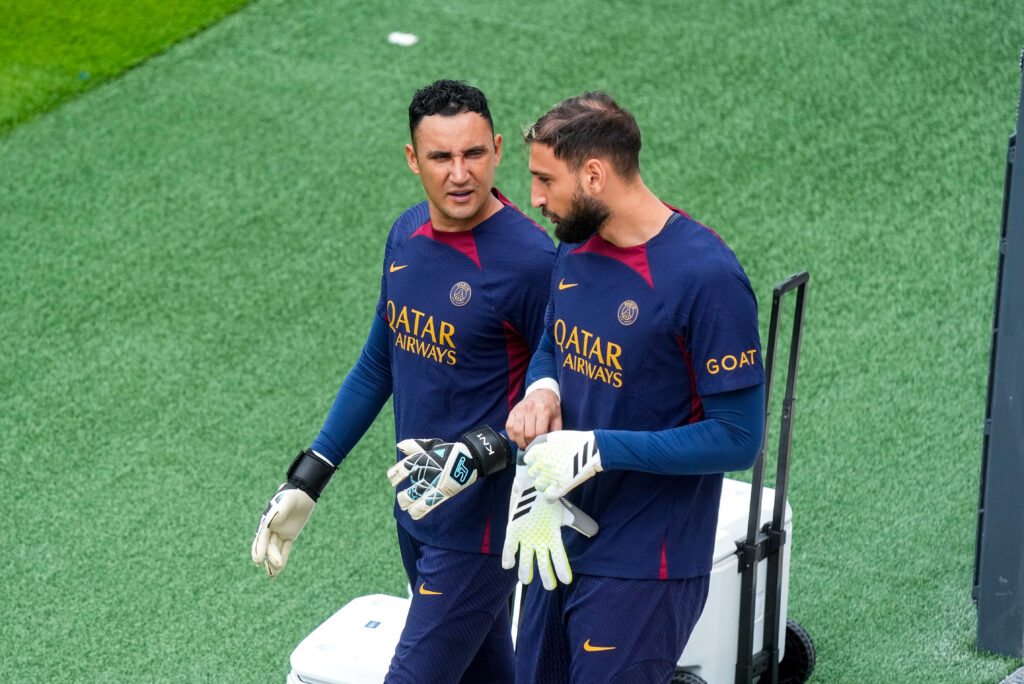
column 191, row 256
column 50, row 51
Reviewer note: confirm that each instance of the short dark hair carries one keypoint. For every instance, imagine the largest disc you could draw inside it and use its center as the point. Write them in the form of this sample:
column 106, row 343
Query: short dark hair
column 587, row 126
column 447, row 98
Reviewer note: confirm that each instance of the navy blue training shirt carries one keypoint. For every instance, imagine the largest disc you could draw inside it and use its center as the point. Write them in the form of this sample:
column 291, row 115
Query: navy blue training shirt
column 458, row 316
column 640, row 335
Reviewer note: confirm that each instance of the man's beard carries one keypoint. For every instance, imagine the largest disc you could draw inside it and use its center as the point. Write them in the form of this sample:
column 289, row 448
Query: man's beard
column 585, row 216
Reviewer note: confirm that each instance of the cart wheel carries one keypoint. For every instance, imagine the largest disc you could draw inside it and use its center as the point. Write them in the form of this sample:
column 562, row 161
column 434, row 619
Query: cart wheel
column 686, row 677
column 798, row 663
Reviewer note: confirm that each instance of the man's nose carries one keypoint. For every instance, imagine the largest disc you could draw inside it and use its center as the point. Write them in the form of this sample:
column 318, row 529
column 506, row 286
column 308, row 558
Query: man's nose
column 537, row 198
column 460, row 170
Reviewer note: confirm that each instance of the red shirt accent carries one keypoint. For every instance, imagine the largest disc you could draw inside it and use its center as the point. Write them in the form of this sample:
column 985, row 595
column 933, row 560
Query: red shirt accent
column 696, row 405
column 518, row 360
column 635, row 257
column 461, row 240
column 485, row 545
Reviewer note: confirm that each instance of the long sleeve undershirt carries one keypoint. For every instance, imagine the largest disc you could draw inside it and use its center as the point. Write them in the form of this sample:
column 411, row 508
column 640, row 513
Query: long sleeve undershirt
column 362, row 395
column 542, row 363
column 727, row 440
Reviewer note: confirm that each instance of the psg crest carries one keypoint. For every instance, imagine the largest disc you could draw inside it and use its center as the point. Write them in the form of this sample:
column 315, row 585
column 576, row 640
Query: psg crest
column 460, row 293
column 628, row 312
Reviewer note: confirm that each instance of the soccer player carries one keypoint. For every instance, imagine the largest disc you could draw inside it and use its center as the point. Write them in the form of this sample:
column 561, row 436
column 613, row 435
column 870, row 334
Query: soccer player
column 651, row 361
column 461, row 306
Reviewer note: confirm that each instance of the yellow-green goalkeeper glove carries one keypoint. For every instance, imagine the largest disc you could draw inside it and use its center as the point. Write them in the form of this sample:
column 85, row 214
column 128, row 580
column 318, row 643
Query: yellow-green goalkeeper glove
column 562, row 460
column 535, row 531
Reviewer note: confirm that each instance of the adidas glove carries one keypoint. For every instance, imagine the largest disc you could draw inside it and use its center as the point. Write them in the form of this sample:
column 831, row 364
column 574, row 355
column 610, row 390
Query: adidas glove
column 535, row 531
column 289, row 509
column 439, row 470
column 560, row 461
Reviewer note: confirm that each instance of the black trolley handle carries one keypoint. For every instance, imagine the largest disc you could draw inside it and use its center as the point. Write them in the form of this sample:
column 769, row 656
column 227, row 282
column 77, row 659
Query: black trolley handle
column 796, row 282
column 768, row 542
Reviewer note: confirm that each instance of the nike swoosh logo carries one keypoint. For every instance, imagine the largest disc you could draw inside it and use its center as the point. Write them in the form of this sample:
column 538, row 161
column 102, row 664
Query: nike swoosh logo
column 423, row 587
column 588, row 647
column 397, row 268
column 562, row 285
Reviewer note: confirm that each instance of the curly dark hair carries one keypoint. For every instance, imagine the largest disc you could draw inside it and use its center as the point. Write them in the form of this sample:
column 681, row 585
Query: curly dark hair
column 447, row 98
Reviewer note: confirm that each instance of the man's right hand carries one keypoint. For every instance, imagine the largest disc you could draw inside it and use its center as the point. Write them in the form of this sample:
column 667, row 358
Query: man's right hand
column 280, row 524
column 289, row 509
column 539, row 413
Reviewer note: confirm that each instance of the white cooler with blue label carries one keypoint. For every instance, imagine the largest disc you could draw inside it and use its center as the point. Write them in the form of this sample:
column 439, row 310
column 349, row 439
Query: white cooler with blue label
column 355, row 645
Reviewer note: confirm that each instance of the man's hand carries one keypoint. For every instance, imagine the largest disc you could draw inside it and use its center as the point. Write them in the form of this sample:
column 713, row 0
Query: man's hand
column 279, row 526
column 439, row 470
column 538, row 413
column 289, row 509
column 560, row 461
column 535, row 530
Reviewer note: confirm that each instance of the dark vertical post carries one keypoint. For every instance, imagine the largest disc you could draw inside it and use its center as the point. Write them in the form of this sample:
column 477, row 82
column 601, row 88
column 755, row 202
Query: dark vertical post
column 999, row 551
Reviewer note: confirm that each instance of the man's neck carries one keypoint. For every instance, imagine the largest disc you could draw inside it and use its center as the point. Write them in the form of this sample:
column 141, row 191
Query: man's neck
column 636, row 217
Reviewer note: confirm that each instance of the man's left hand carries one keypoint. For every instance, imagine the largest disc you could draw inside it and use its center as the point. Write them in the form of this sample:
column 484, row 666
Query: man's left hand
column 439, row 470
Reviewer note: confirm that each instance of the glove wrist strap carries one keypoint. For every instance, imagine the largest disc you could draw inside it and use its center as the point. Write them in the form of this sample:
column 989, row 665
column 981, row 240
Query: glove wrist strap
column 489, row 449
column 310, row 473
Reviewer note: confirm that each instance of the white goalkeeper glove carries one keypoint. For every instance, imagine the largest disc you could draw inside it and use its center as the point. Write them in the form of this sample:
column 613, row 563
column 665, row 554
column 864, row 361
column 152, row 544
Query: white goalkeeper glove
column 535, row 531
column 560, row 461
column 289, row 509
column 439, row 470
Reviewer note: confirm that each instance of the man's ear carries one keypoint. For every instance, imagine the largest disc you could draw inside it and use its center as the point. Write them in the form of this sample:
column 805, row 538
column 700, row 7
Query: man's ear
column 410, row 158
column 497, row 149
column 594, row 175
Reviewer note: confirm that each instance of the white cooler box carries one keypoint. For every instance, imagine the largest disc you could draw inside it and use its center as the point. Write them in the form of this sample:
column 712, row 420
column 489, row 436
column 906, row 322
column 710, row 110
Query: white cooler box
column 355, row 645
column 711, row 650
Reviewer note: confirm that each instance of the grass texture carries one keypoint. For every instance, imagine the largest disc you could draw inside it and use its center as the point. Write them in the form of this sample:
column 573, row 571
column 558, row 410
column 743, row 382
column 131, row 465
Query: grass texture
column 191, row 256
column 51, row 51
